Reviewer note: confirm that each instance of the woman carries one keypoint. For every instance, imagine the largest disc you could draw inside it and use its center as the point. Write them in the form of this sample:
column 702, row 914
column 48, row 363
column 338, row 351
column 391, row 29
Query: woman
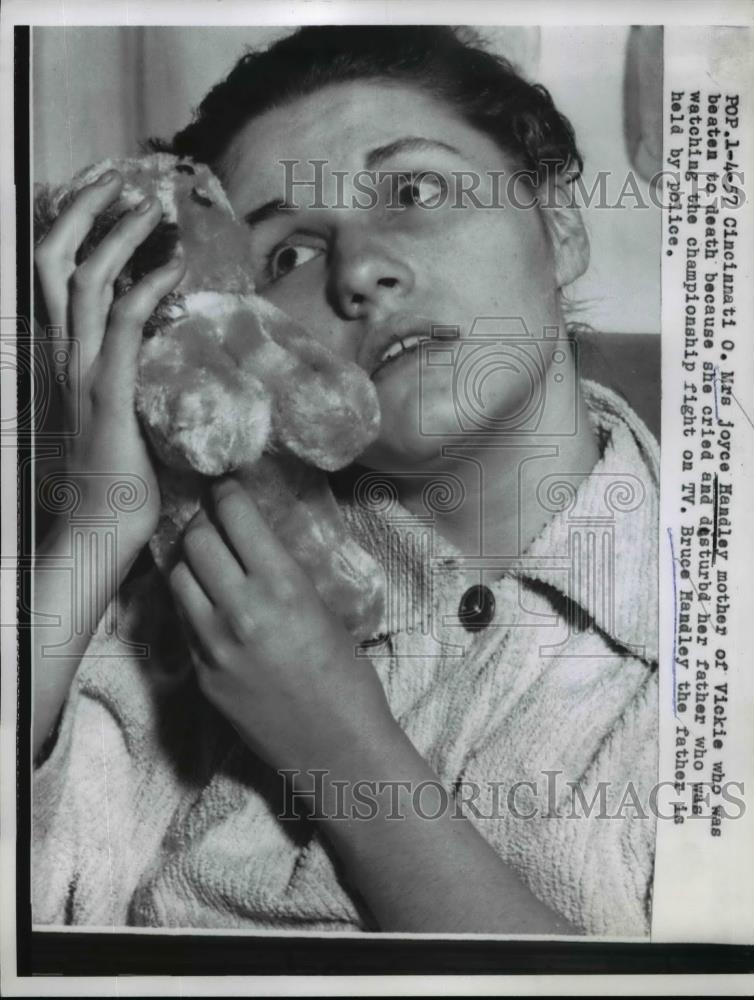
column 518, row 668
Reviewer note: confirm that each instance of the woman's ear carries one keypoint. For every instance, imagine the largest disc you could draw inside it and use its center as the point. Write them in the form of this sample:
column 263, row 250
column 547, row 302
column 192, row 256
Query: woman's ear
column 565, row 228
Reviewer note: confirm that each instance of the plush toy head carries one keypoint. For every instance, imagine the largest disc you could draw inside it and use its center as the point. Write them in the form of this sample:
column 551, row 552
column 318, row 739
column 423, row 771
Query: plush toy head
column 229, row 383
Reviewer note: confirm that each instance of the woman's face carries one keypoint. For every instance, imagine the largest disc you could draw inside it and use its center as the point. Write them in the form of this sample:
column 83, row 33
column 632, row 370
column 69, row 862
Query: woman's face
column 360, row 277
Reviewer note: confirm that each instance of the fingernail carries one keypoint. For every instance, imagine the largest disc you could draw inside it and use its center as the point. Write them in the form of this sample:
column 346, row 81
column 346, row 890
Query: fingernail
column 143, row 207
column 107, row 177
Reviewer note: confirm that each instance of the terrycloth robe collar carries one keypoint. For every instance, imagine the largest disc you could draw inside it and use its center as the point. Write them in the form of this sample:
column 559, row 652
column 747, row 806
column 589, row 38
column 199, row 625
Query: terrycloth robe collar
column 599, row 551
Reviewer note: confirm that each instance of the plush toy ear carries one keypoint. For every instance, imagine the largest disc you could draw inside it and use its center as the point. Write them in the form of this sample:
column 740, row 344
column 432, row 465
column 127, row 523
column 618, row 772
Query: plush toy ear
column 325, row 410
column 201, row 412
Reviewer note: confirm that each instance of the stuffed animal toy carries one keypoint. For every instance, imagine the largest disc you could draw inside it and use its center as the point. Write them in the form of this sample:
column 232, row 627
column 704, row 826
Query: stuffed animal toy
column 229, row 384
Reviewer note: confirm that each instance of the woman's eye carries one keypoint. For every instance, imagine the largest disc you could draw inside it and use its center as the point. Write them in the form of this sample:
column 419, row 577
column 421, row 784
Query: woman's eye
column 288, row 257
column 424, row 190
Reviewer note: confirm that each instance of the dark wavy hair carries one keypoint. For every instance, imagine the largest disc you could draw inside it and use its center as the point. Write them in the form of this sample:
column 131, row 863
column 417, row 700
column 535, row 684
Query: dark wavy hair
column 449, row 63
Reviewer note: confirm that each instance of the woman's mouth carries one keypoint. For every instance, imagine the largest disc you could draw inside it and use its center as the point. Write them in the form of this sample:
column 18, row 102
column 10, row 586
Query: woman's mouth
column 404, row 336
column 399, row 348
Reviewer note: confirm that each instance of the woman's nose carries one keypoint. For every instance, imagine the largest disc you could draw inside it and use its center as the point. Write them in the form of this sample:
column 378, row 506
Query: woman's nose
column 367, row 278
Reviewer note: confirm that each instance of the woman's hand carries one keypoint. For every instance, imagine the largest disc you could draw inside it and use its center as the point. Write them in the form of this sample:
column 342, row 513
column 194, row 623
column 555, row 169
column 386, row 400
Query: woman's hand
column 98, row 402
column 276, row 662
column 98, row 395
column 282, row 669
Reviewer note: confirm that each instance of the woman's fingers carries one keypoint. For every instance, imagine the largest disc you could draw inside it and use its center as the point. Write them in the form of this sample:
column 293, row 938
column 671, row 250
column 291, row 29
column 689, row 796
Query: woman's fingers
column 215, row 567
column 112, row 253
column 242, row 568
column 193, row 603
column 120, row 347
column 71, row 227
column 55, row 257
column 83, row 295
column 255, row 544
column 92, row 282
